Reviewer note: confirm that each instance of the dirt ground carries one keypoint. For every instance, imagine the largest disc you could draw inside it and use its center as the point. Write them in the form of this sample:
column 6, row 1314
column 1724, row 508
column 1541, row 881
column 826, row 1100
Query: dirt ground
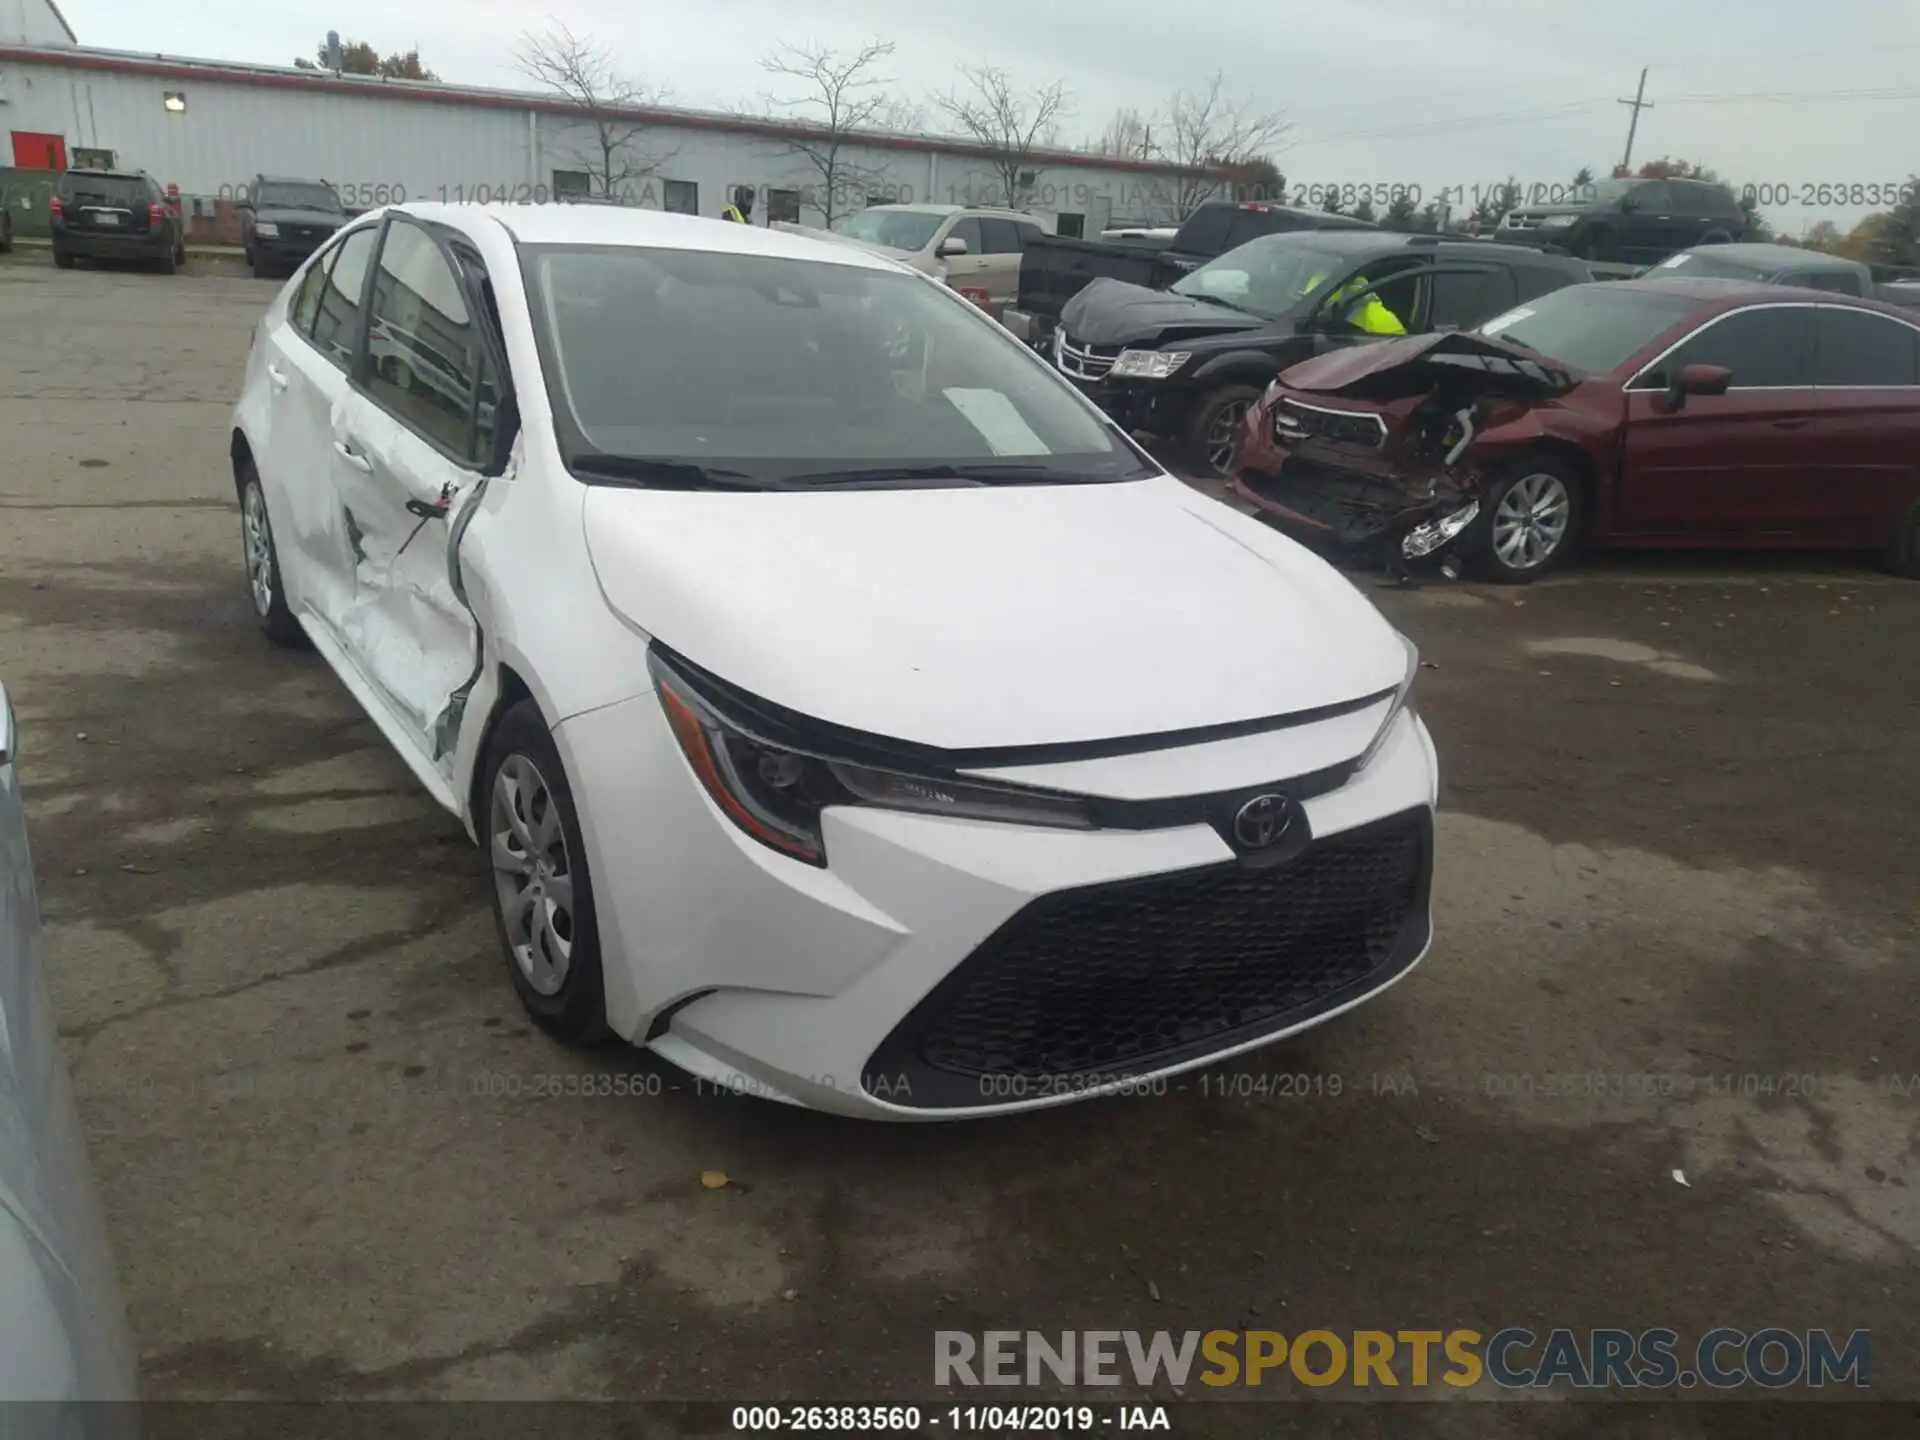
column 1681, row 815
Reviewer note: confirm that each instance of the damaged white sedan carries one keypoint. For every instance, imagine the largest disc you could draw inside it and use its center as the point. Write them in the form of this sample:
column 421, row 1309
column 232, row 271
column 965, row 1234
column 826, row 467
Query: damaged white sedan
column 846, row 709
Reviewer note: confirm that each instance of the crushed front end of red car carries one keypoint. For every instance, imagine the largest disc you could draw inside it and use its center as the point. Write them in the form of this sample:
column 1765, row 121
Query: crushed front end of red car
column 1373, row 448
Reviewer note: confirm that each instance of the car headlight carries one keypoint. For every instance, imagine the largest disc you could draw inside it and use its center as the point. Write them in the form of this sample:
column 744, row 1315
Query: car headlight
column 775, row 792
column 1402, row 700
column 1149, row 364
column 268, row 228
column 1557, row 222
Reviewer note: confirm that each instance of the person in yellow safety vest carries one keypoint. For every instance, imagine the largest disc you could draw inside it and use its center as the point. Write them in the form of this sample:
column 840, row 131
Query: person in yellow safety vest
column 1372, row 317
column 740, row 208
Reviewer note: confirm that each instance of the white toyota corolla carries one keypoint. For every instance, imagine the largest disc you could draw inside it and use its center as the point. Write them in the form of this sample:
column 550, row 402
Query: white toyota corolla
column 848, row 711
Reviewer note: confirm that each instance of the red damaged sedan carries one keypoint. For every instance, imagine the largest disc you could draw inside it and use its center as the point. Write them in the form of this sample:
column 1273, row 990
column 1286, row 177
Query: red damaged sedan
column 1669, row 413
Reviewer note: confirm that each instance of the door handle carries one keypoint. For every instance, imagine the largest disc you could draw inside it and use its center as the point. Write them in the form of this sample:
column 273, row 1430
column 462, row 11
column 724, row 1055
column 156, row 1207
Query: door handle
column 353, row 457
column 1791, row 424
column 277, row 376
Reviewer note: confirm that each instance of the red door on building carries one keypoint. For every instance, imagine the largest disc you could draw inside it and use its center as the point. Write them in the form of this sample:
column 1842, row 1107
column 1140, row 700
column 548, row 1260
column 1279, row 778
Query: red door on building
column 34, row 151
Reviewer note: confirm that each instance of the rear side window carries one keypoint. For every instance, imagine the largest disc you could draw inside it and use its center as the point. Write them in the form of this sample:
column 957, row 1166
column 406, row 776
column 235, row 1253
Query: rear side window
column 337, row 329
column 1002, row 237
column 423, row 349
column 1770, row 348
column 1205, row 233
column 1855, row 348
column 1464, row 300
column 1837, row 282
column 306, row 305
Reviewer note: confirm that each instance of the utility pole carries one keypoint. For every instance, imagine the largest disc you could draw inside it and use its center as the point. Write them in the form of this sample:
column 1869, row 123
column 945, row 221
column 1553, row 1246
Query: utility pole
column 1639, row 102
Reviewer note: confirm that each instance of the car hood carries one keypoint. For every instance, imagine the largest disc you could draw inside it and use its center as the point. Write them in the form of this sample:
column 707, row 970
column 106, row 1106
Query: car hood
column 1112, row 312
column 1536, row 212
column 1481, row 364
column 992, row 616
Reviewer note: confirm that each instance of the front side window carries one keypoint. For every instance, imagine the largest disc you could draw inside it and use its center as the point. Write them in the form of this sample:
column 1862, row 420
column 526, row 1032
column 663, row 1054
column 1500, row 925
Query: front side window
column 968, row 231
column 1000, row 237
column 1652, row 199
column 1857, row 348
column 1834, row 282
column 337, row 329
column 1462, row 299
column 1769, row 347
column 423, row 349
column 854, row 375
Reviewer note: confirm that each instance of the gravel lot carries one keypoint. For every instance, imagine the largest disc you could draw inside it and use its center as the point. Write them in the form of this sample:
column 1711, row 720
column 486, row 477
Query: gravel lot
column 1678, row 840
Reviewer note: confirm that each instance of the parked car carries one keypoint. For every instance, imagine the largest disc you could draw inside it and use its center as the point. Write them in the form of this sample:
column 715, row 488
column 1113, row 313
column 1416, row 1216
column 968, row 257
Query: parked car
column 60, row 1308
column 1639, row 412
column 1056, row 267
column 1623, row 220
column 1768, row 265
column 975, row 250
column 283, row 221
column 792, row 689
column 1904, row 293
column 114, row 215
column 1186, row 363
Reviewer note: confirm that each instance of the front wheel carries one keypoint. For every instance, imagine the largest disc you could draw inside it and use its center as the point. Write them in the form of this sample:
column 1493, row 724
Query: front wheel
column 542, row 894
column 1528, row 521
column 1213, row 436
column 63, row 259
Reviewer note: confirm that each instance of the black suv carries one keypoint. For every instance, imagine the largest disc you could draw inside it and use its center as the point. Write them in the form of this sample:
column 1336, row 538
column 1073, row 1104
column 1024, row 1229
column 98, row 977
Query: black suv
column 1630, row 220
column 114, row 215
column 283, row 221
column 1186, row 363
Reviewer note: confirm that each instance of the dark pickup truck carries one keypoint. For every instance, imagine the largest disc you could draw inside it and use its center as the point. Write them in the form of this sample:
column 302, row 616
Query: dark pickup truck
column 1055, row 268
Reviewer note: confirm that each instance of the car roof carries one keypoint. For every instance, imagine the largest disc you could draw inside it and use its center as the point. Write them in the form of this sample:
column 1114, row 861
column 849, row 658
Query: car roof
column 290, row 180
column 1763, row 256
column 1388, row 242
column 1715, row 295
column 106, row 174
column 563, row 224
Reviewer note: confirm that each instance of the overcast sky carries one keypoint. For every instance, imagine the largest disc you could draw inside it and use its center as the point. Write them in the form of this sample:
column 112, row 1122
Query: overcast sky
column 1417, row 92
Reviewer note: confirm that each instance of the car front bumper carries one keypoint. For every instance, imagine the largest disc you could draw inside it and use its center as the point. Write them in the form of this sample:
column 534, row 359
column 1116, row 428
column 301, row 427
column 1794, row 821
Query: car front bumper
column 284, row 249
column 941, row 968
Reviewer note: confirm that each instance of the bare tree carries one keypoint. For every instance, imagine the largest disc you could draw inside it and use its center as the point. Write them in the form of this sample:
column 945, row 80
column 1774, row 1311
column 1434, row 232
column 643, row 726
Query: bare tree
column 609, row 146
column 1129, row 134
column 1004, row 121
column 839, row 95
column 1205, row 130
column 900, row 114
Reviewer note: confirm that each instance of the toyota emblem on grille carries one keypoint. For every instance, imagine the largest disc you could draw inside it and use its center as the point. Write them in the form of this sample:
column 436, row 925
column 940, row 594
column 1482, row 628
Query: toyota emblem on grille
column 1262, row 820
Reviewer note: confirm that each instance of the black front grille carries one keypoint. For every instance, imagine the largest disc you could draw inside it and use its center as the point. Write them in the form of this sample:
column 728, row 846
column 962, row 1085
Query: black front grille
column 1294, row 422
column 1127, row 978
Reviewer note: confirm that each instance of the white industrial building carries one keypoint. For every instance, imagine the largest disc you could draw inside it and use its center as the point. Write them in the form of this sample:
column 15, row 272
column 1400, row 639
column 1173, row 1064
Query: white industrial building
column 209, row 126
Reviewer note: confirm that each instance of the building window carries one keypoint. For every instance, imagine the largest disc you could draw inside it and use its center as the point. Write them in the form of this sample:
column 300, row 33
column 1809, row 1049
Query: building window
column 174, row 102
column 571, row 184
column 682, row 197
column 783, row 205
column 1073, row 225
column 85, row 159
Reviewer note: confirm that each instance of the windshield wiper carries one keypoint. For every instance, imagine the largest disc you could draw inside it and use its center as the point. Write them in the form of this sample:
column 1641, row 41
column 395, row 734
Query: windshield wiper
column 904, row 476
column 638, row 470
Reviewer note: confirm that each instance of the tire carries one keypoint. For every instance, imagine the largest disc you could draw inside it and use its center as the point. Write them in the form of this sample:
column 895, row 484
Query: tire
column 168, row 265
column 530, row 840
column 1214, row 432
column 1529, row 521
column 1903, row 555
column 260, row 269
column 63, row 259
column 180, row 255
column 1596, row 244
column 262, row 559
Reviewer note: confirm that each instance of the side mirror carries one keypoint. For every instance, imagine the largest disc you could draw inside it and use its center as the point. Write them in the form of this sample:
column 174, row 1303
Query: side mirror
column 1698, row 380
column 951, row 246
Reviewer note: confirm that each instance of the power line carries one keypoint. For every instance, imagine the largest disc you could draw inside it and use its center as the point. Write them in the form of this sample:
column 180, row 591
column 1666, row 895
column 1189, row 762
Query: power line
column 1463, row 122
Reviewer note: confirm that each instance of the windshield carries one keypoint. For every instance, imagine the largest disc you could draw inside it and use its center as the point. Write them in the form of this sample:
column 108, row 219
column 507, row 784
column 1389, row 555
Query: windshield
column 896, row 229
column 765, row 371
column 1595, row 328
column 1269, row 277
column 1688, row 265
column 297, row 195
